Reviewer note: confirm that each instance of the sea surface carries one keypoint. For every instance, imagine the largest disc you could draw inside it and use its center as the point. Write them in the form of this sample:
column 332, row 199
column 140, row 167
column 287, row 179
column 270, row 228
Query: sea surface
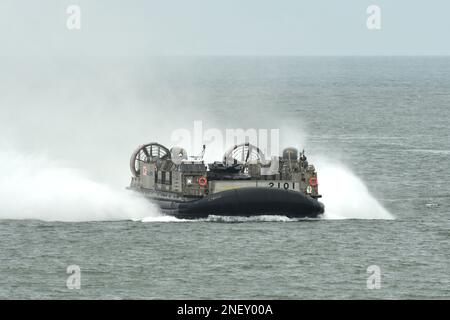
column 377, row 129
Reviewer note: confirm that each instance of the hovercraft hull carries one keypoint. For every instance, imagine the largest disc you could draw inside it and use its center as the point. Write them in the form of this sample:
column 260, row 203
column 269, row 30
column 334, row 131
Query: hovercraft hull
column 245, row 202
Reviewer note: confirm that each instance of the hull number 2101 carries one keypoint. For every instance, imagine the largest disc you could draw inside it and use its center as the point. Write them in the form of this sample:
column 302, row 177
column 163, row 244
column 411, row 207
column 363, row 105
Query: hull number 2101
column 282, row 185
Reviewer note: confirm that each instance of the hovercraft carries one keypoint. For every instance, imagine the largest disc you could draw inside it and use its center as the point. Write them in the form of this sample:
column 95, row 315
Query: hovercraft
column 243, row 184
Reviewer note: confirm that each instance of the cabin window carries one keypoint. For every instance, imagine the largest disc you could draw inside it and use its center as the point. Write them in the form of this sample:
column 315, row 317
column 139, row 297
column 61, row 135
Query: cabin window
column 160, row 177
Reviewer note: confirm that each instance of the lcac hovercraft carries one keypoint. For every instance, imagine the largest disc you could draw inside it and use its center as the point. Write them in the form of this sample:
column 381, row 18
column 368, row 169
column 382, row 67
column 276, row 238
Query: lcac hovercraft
column 242, row 184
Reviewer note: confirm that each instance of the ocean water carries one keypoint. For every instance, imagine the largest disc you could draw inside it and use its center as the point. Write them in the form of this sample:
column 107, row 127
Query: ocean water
column 377, row 129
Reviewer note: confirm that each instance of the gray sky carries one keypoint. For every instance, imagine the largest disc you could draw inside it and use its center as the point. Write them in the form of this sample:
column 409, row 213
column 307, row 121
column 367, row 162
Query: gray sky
column 224, row 27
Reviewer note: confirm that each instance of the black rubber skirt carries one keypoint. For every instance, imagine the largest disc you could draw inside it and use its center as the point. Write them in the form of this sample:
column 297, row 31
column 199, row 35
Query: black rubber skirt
column 247, row 202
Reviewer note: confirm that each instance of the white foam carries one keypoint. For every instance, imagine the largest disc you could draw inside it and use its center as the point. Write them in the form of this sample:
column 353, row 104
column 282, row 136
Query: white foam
column 163, row 218
column 33, row 187
column 261, row 218
column 345, row 195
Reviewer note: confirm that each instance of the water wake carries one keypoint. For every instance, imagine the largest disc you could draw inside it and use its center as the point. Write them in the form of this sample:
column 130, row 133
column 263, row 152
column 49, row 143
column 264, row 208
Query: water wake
column 33, row 187
column 262, row 218
column 345, row 195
